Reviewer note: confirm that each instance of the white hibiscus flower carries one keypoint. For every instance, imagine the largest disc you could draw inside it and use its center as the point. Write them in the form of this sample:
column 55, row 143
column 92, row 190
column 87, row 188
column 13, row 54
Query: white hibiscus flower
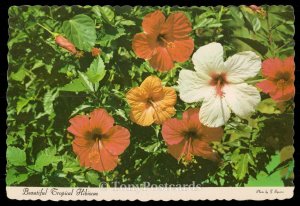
column 220, row 85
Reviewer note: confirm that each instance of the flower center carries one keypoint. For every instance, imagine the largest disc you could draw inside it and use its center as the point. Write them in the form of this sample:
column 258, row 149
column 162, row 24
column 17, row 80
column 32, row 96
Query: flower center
column 96, row 136
column 281, row 83
column 163, row 42
column 192, row 133
column 283, row 80
column 150, row 102
column 218, row 80
column 285, row 76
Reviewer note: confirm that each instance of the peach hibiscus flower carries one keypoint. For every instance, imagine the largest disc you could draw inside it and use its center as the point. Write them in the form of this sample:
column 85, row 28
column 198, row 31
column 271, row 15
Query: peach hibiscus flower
column 151, row 102
column 280, row 77
column 164, row 41
column 97, row 141
column 188, row 137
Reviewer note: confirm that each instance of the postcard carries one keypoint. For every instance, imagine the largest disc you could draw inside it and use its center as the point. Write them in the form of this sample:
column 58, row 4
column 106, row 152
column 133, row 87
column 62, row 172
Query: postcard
column 150, row 103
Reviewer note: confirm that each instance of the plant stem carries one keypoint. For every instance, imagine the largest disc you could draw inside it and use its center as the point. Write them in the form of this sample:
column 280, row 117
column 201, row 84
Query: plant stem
column 46, row 29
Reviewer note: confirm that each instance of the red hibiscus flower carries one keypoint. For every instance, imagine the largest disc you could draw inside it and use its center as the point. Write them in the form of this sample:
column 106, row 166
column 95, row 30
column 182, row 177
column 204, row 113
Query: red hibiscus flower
column 280, row 77
column 164, row 41
column 188, row 137
column 97, row 142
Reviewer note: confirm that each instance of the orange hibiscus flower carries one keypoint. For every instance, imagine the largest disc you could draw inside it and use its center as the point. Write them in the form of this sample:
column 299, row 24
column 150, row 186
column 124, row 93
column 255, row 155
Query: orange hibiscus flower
column 164, row 41
column 280, row 77
column 97, row 142
column 188, row 137
column 151, row 102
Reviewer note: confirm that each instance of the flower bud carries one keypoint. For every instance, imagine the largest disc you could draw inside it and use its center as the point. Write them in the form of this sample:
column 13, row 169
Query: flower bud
column 65, row 43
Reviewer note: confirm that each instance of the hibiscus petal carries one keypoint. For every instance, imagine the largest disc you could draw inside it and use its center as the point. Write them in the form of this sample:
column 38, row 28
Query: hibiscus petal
column 192, row 118
column 80, row 126
column 153, row 87
column 143, row 45
column 83, row 142
column 116, row 140
column 177, row 26
column 242, row 66
column 142, row 114
column 178, row 150
column 162, row 60
column 202, row 149
column 271, row 67
column 172, row 131
column 214, row 111
column 81, row 148
column 84, row 158
column 153, row 22
column 181, row 50
column 107, row 161
column 283, row 94
column 209, row 58
column 136, row 96
column 241, row 98
column 164, row 109
column 191, row 114
column 267, row 86
column 289, row 66
column 161, row 115
column 211, row 134
column 101, row 121
column 169, row 98
column 193, row 87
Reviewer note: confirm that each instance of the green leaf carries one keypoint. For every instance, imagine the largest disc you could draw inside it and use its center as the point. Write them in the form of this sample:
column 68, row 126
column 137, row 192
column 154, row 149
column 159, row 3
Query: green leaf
column 75, row 86
column 14, row 177
column 96, row 71
column 80, row 178
column 106, row 13
column 81, row 31
column 85, row 81
column 19, row 38
column 151, row 148
column 242, row 166
column 252, row 22
column 22, row 102
column 37, row 64
column 286, row 154
column 19, row 75
column 263, row 179
column 268, row 106
column 121, row 113
column 49, row 98
column 93, row 177
column 46, row 157
column 262, row 49
column 16, row 156
column 256, row 24
column 80, row 108
column 127, row 22
column 70, row 164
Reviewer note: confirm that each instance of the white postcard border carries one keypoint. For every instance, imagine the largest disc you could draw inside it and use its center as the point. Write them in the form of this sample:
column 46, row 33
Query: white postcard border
column 146, row 194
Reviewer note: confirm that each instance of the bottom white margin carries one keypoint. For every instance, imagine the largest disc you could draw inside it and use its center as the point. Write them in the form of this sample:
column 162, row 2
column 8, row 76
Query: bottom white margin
column 145, row 194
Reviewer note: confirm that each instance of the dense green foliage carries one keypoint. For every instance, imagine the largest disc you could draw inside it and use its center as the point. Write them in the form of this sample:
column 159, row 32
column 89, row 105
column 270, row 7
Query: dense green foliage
column 48, row 86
